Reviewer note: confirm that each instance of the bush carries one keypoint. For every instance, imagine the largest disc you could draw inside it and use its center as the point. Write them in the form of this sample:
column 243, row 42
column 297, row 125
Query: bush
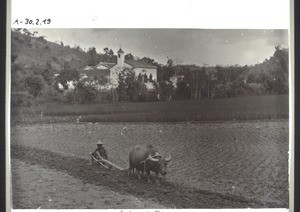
column 165, row 89
column 82, row 94
column 53, row 95
column 130, row 88
column 104, row 97
column 35, row 84
column 21, row 99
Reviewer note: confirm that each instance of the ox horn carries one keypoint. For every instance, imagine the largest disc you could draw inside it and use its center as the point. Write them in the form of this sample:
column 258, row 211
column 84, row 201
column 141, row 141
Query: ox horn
column 152, row 158
column 168, row 158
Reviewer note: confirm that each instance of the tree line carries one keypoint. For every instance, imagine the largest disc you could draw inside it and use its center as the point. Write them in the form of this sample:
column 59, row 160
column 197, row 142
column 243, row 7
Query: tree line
column 202, row 82
column 174, row 82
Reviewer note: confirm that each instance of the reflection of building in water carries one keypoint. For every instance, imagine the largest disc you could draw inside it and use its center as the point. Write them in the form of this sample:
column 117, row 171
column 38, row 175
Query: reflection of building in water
column 143, row 71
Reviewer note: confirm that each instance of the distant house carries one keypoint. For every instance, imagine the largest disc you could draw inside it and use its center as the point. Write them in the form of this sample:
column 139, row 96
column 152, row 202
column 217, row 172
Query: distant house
column 112, row 70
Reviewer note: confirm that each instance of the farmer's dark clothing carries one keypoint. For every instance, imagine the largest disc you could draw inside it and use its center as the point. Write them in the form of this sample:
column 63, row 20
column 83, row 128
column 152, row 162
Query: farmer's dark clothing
column 99, row 153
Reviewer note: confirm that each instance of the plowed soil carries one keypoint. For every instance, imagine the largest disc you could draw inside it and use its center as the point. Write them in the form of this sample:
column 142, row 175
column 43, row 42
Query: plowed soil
column 215, row 165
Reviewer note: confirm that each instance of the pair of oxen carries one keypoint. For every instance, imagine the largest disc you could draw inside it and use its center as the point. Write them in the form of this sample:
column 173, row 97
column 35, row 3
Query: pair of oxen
column 146, row 159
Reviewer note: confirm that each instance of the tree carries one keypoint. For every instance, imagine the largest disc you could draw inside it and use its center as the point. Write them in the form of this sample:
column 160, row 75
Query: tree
column 273, row 74
column 47, row 74
column 100, row 80
column 165, row 72
column 129, row 56
column 170, row 63
column 17, row 29
column 130, row 88
column 108, row 55
column 26, row 32
column 165, row 89
column 108, row 51
column 266, row 81
column 42, row 38
column 84, row 93
column 92, row 61
column 77, row 47
column 191, row 80
column 183, row 90
column 149, row 61
column 35, row 84
column 251, row 78
column 281, row 55
column 35, row 32
column 280, row 72
column 53, row 95
column 18, row 76
column 122, row 88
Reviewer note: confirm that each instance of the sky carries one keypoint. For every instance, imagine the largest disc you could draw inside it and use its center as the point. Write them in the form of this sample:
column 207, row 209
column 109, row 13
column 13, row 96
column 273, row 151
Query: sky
column 185, row 46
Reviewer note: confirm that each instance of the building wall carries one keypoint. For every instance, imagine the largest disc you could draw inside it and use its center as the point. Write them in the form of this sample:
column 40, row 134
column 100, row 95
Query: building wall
column 114, row 74
column 146, row 71
column 121, row 59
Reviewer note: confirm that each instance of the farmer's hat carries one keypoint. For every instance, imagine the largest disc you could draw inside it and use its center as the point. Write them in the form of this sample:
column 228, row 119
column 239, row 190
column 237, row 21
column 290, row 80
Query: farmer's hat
column 99, row 143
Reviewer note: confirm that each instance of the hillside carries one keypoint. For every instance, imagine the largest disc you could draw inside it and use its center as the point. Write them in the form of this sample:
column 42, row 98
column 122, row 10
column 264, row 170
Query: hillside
column 37, row 52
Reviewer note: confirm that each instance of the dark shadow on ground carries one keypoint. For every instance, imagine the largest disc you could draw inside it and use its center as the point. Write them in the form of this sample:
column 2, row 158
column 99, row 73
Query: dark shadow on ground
column 169, row 194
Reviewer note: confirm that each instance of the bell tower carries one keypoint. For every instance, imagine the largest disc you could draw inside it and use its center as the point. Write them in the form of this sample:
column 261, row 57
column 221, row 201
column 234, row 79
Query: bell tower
column 120, row 60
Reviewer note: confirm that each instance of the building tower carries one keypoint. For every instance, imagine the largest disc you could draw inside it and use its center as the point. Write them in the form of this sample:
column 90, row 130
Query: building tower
column 121, row 58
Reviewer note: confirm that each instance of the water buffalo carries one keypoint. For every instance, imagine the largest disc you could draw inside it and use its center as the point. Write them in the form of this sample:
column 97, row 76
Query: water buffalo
column 146, row 159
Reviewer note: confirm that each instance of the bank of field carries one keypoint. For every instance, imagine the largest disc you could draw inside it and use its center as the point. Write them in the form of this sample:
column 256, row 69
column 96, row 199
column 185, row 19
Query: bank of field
column 227, row 109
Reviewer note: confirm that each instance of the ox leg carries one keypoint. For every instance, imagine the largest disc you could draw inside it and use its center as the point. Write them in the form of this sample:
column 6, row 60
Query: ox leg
column 157, row 180
column 148, row 177
column 139, row 174
column 131, row 169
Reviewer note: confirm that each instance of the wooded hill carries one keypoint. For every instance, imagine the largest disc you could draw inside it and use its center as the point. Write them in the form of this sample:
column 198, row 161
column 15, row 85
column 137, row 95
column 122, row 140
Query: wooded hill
column 37, row 52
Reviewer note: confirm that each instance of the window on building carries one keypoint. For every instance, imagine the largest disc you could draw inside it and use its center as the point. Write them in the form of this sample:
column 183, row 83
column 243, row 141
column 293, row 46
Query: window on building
column 119, row 55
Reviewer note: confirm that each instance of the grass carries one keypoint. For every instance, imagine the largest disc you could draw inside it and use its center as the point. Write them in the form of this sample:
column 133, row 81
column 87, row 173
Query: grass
column 242, row 108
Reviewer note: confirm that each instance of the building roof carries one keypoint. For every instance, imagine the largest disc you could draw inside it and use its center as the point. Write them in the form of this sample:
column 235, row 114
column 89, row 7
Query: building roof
column 139, row 64
column 120, row 51
column 133, row 63
column 96, row 72
column 108, row 65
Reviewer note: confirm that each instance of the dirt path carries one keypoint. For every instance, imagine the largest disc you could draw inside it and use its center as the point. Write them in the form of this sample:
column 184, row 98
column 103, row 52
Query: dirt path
column 244, row 159
column 44, row 188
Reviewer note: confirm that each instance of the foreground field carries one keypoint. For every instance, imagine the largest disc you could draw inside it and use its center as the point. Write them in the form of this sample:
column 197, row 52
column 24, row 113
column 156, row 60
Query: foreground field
column 227, row 109
column 214, row 164
column 44, row 188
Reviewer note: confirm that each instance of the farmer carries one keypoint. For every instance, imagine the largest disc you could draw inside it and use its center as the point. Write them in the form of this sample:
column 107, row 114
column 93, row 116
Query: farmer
column 99, row 153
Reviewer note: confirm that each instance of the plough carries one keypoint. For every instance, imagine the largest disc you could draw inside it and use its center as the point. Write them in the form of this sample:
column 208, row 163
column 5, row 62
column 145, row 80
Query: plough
column 103, row 162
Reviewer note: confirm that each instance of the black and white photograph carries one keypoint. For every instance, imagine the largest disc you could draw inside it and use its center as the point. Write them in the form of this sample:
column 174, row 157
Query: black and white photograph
column 149, row 118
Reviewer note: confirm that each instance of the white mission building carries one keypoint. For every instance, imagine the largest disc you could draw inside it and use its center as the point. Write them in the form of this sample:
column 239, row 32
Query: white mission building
column 112, row 70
